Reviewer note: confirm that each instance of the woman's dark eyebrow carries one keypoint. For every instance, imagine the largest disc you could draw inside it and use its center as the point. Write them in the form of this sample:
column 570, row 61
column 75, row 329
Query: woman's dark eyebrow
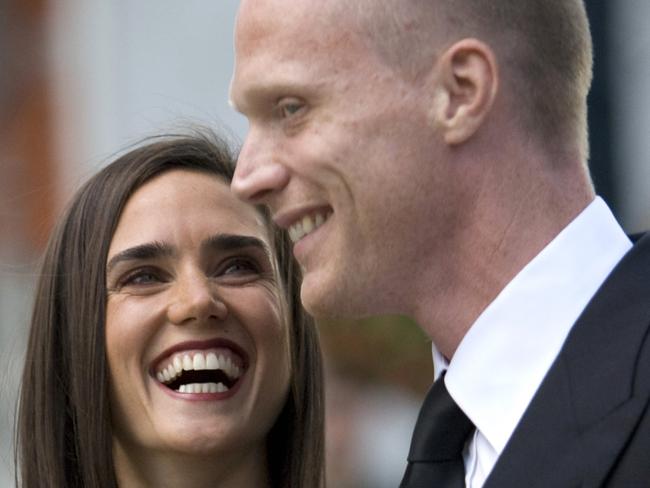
column 218, row 242
column 151, row 250
column 231, row 242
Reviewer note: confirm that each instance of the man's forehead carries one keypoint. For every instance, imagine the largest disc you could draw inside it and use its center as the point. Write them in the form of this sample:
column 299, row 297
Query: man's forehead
column 265, row 73
column 260, row 18
column 265, row 15
column 278, row 50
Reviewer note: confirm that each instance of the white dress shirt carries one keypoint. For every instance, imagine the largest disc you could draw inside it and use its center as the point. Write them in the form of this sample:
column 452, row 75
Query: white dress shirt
column 503, row 358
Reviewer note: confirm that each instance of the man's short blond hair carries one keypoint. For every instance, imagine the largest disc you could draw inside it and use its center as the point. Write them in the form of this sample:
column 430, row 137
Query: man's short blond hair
column 543, row 48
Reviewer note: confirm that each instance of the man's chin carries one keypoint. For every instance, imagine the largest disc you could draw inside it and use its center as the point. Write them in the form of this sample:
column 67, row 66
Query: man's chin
column 315, row 304
column 325, row 302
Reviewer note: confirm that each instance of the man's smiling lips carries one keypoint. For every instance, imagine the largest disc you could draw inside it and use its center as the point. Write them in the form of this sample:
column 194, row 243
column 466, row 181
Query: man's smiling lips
column 303, row 222
column 212, row 367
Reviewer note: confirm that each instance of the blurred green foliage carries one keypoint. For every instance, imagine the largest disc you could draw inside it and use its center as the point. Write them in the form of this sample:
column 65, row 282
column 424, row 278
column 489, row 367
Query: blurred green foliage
column 384, row 350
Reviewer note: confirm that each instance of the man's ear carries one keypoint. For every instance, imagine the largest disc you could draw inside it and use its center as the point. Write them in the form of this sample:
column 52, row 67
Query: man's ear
column 466, row 85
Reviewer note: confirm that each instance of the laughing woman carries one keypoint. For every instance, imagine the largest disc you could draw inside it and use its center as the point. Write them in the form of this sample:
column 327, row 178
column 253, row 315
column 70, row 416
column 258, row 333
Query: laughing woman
column 168, row 347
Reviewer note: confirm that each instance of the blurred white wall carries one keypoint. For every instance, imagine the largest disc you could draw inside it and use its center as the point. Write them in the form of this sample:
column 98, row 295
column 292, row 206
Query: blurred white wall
column 123, row 70
column 15, row 301
column 631, row 109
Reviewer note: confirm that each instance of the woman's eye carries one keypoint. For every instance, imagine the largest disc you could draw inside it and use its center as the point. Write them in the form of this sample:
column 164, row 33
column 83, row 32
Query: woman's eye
column 143, row 277
column 240, row 267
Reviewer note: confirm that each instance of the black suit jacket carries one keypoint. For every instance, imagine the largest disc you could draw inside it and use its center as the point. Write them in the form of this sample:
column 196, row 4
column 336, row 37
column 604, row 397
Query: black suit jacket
column 588, row 425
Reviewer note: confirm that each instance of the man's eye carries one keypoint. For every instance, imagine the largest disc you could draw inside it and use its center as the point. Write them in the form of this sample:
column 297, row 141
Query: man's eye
column 289, row 108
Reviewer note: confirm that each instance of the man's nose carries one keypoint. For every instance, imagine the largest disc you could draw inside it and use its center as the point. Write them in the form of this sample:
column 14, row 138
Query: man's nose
column 259, row 172
column 196, row 300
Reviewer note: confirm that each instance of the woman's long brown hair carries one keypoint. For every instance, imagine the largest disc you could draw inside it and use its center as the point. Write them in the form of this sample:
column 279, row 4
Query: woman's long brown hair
column 63, row 427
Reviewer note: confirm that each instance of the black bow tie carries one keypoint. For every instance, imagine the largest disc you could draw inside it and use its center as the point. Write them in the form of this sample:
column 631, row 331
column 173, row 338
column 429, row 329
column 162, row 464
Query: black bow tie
column 436, row 456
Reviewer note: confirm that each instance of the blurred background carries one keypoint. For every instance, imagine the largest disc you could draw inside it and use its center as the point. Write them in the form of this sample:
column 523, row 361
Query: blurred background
column 82, row 79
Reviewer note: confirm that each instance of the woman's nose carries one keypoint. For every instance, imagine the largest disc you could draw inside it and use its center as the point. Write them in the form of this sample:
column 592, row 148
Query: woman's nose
column 195, row 299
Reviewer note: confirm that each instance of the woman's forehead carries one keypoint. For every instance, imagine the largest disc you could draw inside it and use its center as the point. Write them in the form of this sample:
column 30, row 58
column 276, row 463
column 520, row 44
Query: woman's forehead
column 182, row 205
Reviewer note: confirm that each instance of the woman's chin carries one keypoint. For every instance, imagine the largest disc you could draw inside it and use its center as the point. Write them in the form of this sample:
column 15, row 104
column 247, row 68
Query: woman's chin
column 206, row 443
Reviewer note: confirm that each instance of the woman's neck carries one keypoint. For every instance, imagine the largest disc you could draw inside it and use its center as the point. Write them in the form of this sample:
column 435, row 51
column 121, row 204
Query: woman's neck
column 164, row 469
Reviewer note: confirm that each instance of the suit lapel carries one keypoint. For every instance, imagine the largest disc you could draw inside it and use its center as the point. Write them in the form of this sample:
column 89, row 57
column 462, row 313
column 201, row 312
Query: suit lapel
column 584, row 410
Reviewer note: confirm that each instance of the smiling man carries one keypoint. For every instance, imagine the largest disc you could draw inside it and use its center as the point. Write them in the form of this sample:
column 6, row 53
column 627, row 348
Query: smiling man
column 429, row 158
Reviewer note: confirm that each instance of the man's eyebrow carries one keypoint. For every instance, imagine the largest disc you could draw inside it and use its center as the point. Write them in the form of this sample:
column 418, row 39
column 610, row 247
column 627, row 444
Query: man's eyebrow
column 232, row 242
column 258, row 93
column 150, row 250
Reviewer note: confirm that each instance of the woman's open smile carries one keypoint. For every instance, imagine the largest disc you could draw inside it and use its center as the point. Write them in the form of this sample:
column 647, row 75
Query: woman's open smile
column 202, row 370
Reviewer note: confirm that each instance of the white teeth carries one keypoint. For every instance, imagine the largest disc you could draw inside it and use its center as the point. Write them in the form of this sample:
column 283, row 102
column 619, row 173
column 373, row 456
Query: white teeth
column 203, row 388
column 178, row 364
column 294, row 232
column 199, row 361
column 306, row 225
column 171, row 371
column 211, row 361
column 187, row 363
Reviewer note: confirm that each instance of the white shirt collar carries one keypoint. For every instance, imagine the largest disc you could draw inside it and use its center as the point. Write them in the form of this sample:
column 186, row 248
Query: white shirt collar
column 505, row 355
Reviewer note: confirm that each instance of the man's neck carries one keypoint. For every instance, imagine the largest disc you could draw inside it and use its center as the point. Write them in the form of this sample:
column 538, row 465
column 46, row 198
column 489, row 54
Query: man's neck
column 503, row 235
